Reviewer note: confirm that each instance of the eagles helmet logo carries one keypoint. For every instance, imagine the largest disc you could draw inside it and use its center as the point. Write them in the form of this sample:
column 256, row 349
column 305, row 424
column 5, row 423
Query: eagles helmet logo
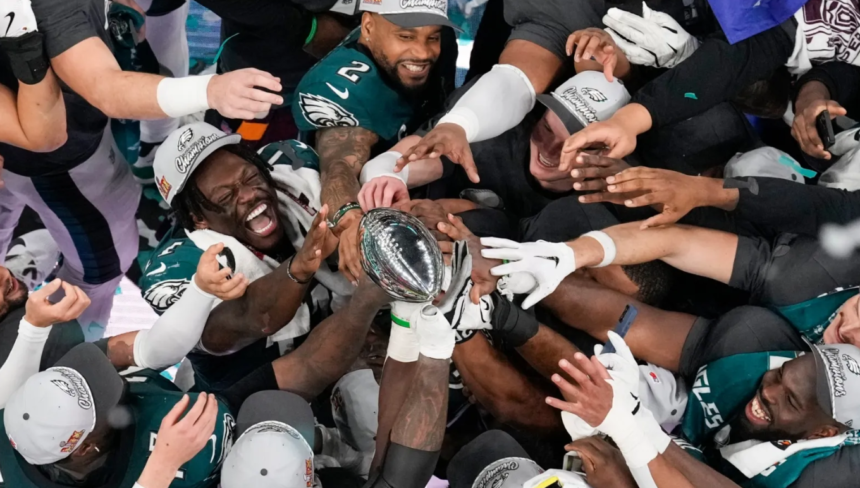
column 851, row 364
column 184, row 139
column 322, row 112
column 165, row 293
column 594, row 94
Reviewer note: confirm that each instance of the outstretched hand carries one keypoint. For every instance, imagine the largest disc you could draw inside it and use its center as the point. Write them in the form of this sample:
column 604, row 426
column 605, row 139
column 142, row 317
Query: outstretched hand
column 444, row 140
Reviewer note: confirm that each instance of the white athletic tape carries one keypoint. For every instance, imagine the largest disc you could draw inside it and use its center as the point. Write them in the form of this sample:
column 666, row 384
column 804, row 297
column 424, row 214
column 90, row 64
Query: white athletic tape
column 383, row 165
column 609, row 249
column 183, row 96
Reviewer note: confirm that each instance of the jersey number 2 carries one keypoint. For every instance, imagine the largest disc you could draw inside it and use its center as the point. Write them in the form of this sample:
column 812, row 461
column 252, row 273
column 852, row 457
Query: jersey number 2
column 348, row 72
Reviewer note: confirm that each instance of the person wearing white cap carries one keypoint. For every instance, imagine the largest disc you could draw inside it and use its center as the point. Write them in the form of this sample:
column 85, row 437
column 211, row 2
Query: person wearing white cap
column 81, row 422
column 765, row 412
column 261, row 224
column 276, row 429
column 384, row 80
column 536, row 144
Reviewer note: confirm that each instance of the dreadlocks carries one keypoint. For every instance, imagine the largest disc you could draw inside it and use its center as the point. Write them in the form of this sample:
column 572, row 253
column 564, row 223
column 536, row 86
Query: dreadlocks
column 189, row 203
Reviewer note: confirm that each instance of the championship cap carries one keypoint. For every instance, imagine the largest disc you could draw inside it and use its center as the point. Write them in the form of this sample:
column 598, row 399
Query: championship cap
column 55, row 411
column 767, row 162
column 838, row 381
column 493, row 460
column 183, row 151
column 586, row 98
column 411, row 13
column 276, row 432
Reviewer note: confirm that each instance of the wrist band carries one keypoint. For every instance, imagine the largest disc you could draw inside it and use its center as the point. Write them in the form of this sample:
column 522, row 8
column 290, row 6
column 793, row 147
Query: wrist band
column 609, row 249
column 341, row 212
column 383, row 165
column 27, row 57
column 290, row 273
column 183, row 96
column 313, row 31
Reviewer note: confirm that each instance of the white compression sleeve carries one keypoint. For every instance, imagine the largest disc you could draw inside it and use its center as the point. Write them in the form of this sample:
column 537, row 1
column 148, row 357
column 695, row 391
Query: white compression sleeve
column 383, row 165
column 176, row 332
column 24, row 358
column 479, row 112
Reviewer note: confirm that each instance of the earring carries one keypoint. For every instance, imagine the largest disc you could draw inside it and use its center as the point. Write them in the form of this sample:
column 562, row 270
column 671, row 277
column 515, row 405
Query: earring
column 97, row 449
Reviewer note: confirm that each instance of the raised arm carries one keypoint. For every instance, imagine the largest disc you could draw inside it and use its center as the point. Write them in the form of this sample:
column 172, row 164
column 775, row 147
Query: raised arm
column 332, row 347
column 35, row 119
column 343, row 152
column 412, row 448
column 270, row 302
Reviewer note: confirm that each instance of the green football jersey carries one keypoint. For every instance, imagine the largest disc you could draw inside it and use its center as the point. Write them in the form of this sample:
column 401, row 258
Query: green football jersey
column 150, row 398
column 347, row 89
column 174, row 261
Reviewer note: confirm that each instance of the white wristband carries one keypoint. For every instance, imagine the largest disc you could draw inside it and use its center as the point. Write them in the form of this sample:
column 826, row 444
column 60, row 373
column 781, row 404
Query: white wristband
column 637, row 449
column 608, row 245
column 383, row 165
column 403, row 342
column 183, row 96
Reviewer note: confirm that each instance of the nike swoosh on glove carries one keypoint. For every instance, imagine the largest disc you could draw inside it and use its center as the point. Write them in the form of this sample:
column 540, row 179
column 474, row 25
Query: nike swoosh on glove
column 16, row 18
column 548, row 262
column 655, row 39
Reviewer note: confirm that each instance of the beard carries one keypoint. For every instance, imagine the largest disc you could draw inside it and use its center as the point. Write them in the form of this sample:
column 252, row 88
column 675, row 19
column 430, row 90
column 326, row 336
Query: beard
column 743, row 430
column 390, row 72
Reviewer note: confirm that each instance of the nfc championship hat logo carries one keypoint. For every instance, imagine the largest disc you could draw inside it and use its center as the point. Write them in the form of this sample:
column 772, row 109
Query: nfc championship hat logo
column 194, row 148
column 439, row 5
column 578, row 105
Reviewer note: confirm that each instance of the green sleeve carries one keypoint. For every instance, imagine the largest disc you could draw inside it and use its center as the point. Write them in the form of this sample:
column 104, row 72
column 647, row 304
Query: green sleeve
column 169, row 272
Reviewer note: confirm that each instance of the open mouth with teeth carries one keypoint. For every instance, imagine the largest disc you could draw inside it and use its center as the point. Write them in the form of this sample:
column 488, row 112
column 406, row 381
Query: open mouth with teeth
column 757, row 413
column 261, row 220
column 416, row 70
column 543, row 160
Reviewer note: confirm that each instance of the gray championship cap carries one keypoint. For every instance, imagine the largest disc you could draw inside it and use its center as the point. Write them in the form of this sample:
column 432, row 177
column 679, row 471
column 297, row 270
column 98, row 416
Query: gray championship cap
column 493, row 460
column 586, row 98
column 55, row 411
column 411, row 13
column 767, row 162
column 182, row 152
column 838, row 381
column 276, row 432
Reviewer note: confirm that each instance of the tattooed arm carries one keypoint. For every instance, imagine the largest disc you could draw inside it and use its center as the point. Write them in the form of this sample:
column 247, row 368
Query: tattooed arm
column 343, row 152
column 333, row 346
column 416, row 438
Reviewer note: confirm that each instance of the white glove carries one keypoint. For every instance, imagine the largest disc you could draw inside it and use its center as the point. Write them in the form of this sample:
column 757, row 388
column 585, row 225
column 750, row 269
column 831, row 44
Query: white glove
column 548, row 262
column 16, row 18
column 436, row 338
column 622, row 367
column 461, row 272
column 470, row 316
column 655, row 39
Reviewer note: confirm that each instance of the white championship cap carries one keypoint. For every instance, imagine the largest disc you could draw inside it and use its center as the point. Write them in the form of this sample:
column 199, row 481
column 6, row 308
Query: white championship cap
column 766, row 162
column 586, row 98
column 55, row 411
column 182, row 152
column 276, row 430
column 410, row 13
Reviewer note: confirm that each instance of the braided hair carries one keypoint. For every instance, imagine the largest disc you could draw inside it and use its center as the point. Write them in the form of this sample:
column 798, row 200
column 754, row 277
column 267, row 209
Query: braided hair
column 188, row 205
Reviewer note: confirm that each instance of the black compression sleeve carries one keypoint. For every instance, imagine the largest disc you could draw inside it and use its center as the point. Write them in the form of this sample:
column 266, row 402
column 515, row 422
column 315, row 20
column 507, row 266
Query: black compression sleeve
column 716, row 72
column 405, row 467
column 515, row 325
column 261, row 379
column 773, row 205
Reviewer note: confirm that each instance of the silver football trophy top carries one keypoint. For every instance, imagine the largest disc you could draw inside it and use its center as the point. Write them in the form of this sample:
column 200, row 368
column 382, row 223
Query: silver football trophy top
column 400, row 255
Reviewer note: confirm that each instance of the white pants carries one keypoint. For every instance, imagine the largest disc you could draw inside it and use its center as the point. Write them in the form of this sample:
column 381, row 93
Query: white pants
column 90, row 213
column 169, row 41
